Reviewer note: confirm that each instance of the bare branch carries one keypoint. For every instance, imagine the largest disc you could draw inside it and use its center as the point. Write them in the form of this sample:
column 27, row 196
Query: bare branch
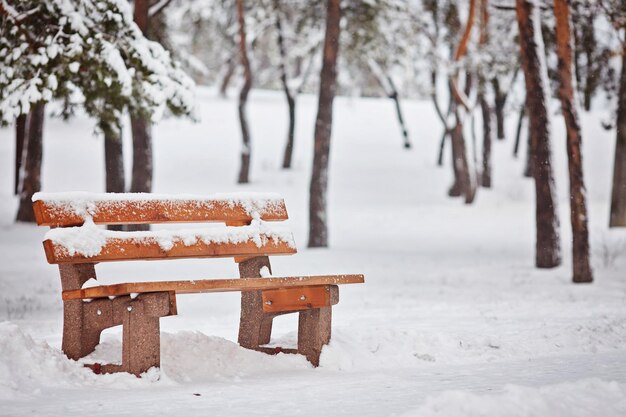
column 158, row 7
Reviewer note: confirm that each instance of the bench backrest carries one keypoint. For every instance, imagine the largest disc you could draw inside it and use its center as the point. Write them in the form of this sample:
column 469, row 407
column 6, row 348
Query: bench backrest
column 252, row 226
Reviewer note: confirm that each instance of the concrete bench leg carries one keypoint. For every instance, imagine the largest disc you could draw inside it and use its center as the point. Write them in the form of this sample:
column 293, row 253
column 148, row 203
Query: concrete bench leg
column 314, row 327
column 82, row 322
column 82, row 325
column 255, row 325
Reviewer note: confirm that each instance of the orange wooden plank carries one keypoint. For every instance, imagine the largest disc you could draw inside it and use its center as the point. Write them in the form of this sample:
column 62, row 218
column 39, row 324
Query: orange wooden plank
column 300, row 298
column 120, row 249
column 211, row 285
column 61, row 214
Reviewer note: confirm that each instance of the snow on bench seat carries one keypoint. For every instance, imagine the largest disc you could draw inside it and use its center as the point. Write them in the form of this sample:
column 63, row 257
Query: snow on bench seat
column 89, row 243
column 73, row 208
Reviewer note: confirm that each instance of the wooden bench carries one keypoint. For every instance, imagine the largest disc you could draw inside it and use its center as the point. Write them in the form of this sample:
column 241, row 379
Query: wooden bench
column 252, row 231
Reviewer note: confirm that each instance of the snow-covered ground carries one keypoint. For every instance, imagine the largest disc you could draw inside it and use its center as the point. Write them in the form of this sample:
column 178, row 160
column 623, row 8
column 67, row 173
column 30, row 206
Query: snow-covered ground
column 453, row 319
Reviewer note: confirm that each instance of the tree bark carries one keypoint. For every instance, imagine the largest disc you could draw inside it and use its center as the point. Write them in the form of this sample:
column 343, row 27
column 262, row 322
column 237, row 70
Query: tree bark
column 618, row 193
column 291, row 102
column 31, row 182
column 567, row 91
column 244, row 171
column 318, row 226
column 20, row 139
column 535, row 74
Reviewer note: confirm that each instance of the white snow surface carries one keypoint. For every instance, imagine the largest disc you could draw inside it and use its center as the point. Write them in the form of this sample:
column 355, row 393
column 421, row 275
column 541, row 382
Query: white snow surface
column 88, row 240
column 453, row 319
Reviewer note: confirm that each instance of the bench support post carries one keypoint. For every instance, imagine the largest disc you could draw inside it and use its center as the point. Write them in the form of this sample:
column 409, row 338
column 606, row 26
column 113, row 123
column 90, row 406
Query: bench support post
column 255, row 325
column 141, row 342
column 82, row 322
column 314, row 328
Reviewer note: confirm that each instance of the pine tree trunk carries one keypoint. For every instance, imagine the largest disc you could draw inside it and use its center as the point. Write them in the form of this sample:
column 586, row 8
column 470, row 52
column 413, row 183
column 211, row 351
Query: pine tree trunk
column 141, row 181
column 114, row 161
column 291, row 102
column 20, row 138
column 318, row 226
column 578, row 206
column 142, row 170
column 618, row 194
column 244, row 171
column 31, row 182
column 141, row 174
column 535, row 74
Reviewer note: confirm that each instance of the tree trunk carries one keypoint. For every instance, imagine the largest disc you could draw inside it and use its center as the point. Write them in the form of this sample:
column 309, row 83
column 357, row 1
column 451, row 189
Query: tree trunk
column 291, row 102
column 141, row 174
column 485, row 179
column 618, row 194
column 243, row 97
column 499, row 102
column 142, row 170
column 518, row 131
column 396, row 99
column 20, row 138
column 578, row 206
column 114, row 161
column 318, row 227
column 231, row 66
column 535, row 74
column 31, row 182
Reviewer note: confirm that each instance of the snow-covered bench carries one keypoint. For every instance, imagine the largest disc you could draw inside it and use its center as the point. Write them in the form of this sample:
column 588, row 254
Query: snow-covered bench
column 252, row 231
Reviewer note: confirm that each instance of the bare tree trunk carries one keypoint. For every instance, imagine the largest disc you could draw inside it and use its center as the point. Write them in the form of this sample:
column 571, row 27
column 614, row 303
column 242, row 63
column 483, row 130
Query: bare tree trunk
column 485, row 179
column 141, row 174
column 231, row 66
column 618, row 193
column 318, row 226
column 548, row 254
column 31, row 183
column 244, row 171
column 518, row 131
column 578, row 206
column 464, row 180
column 396, row 99
column 20, row 138
column 499, row 102
column 291, row 102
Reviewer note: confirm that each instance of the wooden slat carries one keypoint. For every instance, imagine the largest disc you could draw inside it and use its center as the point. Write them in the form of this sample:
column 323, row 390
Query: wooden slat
column 210, row 285
column 122, row 249
column 299, row 298
column 59, row 214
